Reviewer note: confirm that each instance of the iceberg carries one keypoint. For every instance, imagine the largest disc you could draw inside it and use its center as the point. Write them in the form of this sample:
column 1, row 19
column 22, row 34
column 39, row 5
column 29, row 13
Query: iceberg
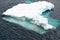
column 30, row 16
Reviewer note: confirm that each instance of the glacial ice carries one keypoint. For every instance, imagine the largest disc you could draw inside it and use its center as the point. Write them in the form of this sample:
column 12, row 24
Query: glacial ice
column 30, row 16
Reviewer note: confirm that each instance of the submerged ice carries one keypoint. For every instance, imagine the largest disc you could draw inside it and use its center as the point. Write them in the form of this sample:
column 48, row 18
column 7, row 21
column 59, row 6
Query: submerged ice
column 30, row 15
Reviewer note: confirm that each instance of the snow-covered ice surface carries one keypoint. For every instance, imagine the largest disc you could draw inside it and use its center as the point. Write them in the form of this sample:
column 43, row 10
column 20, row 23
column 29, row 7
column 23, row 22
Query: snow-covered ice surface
column 33, row 16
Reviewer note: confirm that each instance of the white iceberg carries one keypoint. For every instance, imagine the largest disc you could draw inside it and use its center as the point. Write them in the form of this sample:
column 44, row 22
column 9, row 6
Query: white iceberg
column 32, row 11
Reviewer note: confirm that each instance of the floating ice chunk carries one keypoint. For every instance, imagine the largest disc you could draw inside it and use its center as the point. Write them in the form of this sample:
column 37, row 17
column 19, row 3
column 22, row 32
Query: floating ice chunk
column 29, row 10
column 32, row 11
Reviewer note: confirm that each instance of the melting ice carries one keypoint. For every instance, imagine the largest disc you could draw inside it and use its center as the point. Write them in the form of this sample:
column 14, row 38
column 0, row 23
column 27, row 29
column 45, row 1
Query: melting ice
column 32, row 16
